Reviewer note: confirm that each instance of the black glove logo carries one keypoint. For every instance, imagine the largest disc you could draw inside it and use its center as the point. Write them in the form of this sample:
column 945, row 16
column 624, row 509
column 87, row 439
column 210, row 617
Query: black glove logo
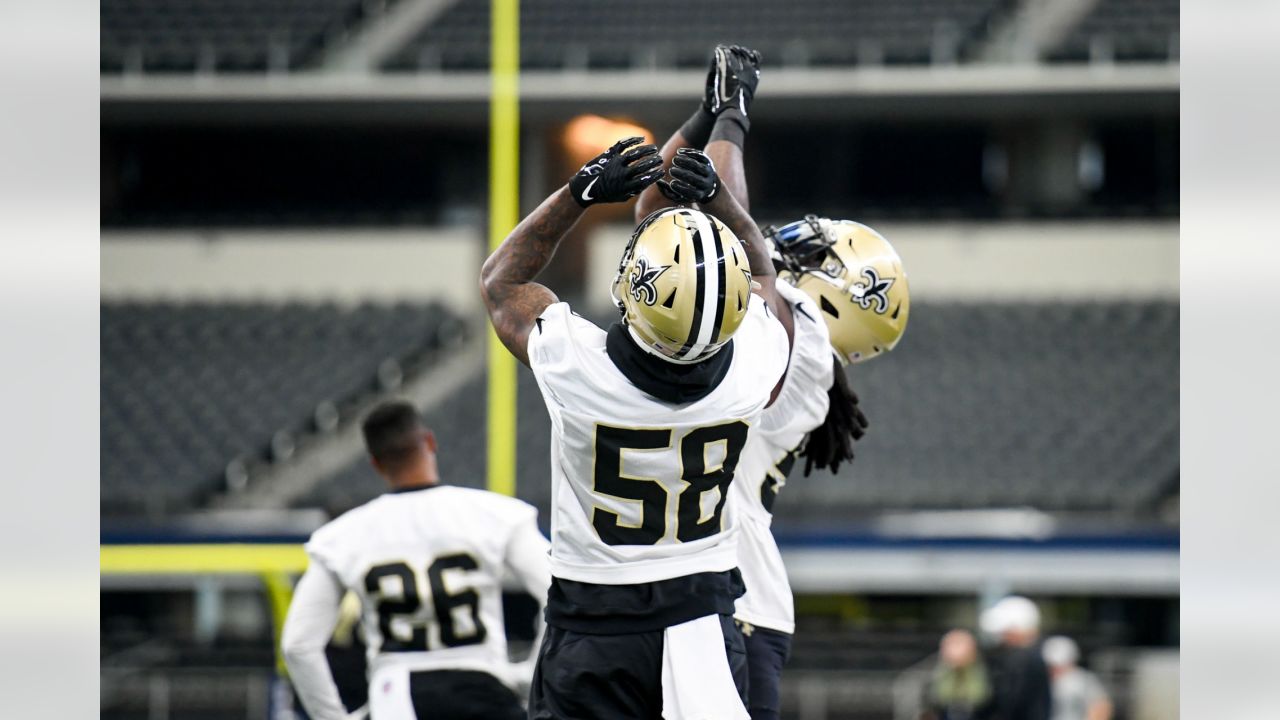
column 604, row 181
column 732, row 79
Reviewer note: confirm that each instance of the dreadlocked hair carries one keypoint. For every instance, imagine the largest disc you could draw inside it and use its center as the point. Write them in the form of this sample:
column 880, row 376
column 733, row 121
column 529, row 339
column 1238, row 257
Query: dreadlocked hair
column 831, row 443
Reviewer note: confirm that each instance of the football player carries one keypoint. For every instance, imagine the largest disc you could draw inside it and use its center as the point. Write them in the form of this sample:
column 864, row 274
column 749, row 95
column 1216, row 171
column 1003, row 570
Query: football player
column 427, row 562
column 847, row 292
column 649, row 419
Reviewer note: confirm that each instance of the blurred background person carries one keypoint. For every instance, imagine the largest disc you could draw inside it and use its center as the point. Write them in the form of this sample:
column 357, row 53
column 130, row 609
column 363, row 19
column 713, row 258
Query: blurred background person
column 1077, row 693
column 960, row 685
column 1019, row 678
column 448, row 660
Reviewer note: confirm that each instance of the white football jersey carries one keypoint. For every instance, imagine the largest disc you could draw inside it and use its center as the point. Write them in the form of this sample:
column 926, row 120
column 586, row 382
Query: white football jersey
column 768, row 458
column 639, row 485
column 428, row 565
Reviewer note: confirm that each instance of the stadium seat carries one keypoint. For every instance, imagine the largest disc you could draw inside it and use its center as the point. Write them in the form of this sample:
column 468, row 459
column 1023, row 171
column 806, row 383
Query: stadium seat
column 188, row 388
column 181, row 36
column 1123, row 31
column 557, row 34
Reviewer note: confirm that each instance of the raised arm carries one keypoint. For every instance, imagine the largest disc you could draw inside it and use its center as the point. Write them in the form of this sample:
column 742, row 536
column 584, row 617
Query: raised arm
column 695, row 180
column 651, row 200
column 741, row 76
column 724, row 206
column 725, row 149
column 731, row 82
column 511, row 296
column 513, row 299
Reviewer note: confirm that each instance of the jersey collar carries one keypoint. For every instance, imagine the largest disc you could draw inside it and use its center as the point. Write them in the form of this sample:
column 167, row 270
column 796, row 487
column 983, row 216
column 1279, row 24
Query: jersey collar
column 415, row 488
column 666, row 381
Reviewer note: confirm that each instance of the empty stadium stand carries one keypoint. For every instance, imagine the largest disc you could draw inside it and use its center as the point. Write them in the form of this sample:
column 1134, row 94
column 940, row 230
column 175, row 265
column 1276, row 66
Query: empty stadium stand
column 459, row 425
column 1124, row 31
column 184, row 36
column 582, row 34
column 1057, row 406
column 188, row 389
column 219, row 35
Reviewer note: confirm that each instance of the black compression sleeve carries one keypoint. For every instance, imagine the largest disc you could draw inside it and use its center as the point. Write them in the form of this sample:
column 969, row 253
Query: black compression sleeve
column 731, row 125
column 697, row 129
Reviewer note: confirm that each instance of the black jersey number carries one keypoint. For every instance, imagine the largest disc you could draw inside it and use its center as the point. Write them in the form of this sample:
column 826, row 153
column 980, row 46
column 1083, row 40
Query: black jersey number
column 445, row 604
column 407, row 601
column 782, row 470
column 700, row 479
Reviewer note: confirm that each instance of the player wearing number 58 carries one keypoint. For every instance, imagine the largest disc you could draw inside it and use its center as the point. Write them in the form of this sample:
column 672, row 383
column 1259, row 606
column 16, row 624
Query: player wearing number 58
column 426, row 561
column 648, row 419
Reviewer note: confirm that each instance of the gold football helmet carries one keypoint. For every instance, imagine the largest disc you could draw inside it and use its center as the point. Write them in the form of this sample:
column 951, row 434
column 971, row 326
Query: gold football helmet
column 854, row 276
column 683, row 284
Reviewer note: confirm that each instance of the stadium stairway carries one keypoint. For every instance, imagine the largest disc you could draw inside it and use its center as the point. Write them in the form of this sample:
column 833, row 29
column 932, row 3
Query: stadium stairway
column 1123, row 31
column 197, row 396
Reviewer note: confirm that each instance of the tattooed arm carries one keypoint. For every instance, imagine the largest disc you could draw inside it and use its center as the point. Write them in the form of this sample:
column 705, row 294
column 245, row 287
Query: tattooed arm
column 514, row 301
column 724, row 206
column 731, row 82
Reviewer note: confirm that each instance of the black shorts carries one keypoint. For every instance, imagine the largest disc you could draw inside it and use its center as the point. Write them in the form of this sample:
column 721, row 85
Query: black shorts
column 462, row 695
column 767, row 652
column 582, row 676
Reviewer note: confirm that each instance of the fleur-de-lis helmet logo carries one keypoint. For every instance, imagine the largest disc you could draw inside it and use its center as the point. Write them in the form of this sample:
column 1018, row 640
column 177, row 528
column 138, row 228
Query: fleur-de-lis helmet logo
column 642, row 281
column 875, row 290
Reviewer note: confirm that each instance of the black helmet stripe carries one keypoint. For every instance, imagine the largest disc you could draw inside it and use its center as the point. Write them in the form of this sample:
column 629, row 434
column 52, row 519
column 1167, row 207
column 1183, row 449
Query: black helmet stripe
column 720, row 269
column 700, row 288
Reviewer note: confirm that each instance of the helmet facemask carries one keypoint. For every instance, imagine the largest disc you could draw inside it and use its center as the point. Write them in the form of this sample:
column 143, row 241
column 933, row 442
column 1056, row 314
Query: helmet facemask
column 856, row 278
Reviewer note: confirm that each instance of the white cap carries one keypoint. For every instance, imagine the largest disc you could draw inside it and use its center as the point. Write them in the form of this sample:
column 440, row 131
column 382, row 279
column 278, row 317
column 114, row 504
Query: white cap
column 1059, row 650
column 1012, row 613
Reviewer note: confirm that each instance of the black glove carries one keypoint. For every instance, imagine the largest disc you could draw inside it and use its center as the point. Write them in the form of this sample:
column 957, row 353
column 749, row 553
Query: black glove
column 617, row 174
column 693, row 178
column 716, row 72
column 732, row 79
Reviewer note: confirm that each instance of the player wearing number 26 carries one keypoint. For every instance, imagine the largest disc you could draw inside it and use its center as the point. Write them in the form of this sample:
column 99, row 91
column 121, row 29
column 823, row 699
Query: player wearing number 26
column 648, row 419
column 427, row 562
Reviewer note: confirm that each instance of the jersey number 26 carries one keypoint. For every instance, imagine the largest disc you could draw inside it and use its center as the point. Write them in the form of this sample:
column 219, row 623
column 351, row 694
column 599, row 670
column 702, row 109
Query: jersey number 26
column 408, row 602
column 609, row 480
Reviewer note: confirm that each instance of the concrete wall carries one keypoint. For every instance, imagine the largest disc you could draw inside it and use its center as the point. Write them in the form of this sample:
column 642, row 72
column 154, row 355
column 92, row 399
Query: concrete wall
column 334, row 265
column 945, row 261
column 999, row 261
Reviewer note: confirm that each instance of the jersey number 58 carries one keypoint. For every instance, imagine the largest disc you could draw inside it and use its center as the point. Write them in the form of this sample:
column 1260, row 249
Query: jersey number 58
column 610, row 444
